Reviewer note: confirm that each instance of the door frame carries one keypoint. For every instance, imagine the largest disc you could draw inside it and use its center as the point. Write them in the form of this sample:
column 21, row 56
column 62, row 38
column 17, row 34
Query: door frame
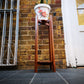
column 71, row 31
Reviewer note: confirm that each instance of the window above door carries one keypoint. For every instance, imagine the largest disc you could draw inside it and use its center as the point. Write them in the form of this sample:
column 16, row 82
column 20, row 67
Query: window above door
column 80, row 13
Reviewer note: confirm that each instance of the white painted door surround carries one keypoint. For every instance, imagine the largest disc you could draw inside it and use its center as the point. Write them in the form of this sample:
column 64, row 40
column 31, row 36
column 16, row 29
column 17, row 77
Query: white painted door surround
column 73, row 34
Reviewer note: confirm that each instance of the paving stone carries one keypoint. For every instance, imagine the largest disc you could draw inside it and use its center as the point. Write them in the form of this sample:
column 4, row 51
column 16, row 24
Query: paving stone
column 72, row 76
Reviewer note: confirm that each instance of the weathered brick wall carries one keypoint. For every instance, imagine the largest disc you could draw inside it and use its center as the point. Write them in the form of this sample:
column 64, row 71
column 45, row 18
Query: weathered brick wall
column 26, row 50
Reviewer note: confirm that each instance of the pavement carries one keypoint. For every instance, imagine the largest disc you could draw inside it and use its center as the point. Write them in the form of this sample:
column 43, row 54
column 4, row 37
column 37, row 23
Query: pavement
column 61, row 76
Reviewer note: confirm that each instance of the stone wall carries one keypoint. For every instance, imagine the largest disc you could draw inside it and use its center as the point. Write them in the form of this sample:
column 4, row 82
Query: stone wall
column 26, row 48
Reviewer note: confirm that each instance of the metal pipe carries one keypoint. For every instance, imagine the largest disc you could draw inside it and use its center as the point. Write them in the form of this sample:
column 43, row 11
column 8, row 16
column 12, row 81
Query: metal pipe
column 10, row 34
column 3, row 34
column 7, row 65
column 16, row 33
column 7, row 10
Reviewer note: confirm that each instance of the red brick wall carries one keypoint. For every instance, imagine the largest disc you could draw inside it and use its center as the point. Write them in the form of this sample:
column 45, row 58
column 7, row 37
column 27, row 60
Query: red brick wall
column 26, row 50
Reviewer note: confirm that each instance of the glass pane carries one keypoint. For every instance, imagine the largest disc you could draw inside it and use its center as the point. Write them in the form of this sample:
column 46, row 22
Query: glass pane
column 80, row 3
column 80, row 11
column 81, row 17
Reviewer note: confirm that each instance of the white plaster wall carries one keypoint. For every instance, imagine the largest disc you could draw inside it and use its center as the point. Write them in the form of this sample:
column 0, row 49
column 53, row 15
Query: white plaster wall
column 73, row 34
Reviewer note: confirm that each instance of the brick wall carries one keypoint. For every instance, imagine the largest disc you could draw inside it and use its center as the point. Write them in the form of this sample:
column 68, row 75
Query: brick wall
column 26, row 44
column 26, row 50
